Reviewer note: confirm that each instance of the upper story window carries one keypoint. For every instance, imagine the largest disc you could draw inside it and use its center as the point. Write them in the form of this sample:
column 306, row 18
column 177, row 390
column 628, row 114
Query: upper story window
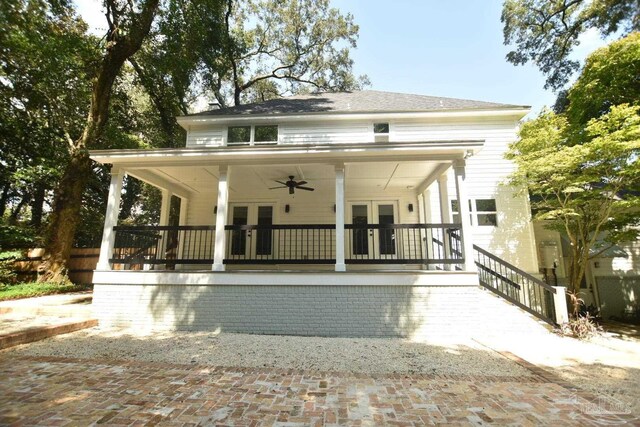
column 249, row 135
column 239, row 135
column 266, row 134
column 381, row 132
column 381, row 128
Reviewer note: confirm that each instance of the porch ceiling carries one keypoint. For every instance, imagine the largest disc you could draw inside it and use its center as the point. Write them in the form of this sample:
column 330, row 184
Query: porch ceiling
column 251, row 179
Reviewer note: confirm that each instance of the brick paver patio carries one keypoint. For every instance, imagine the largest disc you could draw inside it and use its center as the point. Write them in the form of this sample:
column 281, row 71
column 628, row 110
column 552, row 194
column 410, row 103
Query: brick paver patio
column 57, row 391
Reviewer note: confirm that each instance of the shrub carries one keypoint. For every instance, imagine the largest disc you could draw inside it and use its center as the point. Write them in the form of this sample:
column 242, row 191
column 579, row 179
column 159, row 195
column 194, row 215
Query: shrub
column 7, row 272
column 582, row 327
column 12, row 237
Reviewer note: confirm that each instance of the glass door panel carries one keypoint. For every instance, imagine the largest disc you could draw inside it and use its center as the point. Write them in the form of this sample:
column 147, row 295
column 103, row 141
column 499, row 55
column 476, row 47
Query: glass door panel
column 386, row 237
column 264, row 238
column 360, row 236
column 240, row 216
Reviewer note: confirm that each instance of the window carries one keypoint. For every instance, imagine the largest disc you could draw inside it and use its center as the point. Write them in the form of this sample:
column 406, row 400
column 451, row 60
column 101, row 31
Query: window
column 486, row 212
column 482, row 212
column 455, row 212
column 381, row 128
column 266, row 134
column 239, row 135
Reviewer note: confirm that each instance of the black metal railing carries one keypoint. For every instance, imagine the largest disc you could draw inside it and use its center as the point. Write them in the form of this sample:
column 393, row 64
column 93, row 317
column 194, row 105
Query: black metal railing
column 280, row 244
column 427, row 244
column 136, row 246
column 515, row 285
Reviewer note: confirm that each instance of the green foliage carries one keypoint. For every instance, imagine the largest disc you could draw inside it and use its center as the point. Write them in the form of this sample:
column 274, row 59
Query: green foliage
column 275, row 47
column 29, row 290
column 7, row 273
column 13, row 236
column 545, row 32
column 611, row 76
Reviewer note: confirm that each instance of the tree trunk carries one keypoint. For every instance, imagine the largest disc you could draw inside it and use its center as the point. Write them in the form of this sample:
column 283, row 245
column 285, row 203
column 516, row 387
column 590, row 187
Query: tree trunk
column 121, row 44
column 65, row 218
column 3, row 199
column 37, row 205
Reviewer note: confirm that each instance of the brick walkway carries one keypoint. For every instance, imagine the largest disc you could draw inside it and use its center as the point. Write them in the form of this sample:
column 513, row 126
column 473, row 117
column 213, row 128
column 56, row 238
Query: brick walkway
column 56, row 391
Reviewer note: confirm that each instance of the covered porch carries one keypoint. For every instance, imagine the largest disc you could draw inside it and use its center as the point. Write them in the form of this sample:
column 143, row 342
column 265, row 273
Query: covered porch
column 387, row 207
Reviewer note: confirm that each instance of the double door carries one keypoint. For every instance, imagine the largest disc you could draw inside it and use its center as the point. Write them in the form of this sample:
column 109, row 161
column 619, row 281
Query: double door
column 251, row 242
column 370, row 237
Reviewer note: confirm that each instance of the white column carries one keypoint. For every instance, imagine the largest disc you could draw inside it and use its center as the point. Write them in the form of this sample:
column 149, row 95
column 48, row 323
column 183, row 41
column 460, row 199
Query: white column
column 165, row 207
column 445, row 213
column 422, row 219
column 465, row 218
column 221, row 219
column 110, row 219
column 421, row 211
column 340, row 207
column 184, row 209
column 560, row 304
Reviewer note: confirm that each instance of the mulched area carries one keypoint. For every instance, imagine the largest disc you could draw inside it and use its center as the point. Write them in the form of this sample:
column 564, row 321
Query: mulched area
column 63, row 391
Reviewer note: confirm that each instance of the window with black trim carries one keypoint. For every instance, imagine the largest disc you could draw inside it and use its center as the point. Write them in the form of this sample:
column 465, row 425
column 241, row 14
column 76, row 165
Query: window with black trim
column 239, row 135
column 455, row 212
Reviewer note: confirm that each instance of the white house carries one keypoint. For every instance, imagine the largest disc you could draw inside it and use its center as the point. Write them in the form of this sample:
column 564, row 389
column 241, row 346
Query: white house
column 350, row 213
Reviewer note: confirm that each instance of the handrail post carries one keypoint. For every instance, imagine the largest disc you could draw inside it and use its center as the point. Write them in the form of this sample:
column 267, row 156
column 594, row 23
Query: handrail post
column 340, row 208
column 465, row 214
column 110, row 219
column 560, row 305
column 221, row 219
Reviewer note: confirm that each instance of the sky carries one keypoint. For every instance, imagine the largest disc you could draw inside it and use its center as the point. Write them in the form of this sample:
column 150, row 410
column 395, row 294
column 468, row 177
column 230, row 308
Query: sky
column 449, row 48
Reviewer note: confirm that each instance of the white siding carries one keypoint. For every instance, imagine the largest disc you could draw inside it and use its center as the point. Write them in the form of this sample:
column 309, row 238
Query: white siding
column 326, row 133
column 208, row 137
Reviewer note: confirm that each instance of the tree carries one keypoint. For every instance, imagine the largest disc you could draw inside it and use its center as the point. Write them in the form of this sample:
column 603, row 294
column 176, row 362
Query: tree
column 276, row 47
column 546, row 31
column 128, row 26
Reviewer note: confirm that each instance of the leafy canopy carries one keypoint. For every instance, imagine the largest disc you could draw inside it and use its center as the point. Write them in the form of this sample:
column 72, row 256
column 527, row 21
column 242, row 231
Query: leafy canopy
column 545, row 32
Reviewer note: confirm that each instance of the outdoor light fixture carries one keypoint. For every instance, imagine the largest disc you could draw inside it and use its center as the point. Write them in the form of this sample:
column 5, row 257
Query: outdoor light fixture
column 215, row 210
column 410, row 207
column 287, row 208
column 334, row 208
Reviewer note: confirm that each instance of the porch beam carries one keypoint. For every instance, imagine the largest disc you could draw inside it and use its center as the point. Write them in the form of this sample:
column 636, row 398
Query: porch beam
column 465, row 214
column 432, row 177
column 340, row 208
column 159, row 182
column 221, row 219
column 110, row 219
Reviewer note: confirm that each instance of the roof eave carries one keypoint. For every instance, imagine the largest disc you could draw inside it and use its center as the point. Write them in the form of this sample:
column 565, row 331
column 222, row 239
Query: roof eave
column 517, row 112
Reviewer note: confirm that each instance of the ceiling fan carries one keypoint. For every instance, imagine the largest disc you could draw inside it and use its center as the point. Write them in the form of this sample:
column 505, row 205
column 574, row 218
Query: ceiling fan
column 292, row 185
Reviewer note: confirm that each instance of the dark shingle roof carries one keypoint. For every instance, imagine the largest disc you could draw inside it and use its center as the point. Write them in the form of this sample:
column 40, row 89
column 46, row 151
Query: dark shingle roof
column 366, row 101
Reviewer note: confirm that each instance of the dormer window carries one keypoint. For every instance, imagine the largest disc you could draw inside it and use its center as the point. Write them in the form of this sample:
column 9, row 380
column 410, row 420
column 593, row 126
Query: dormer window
column 250, row 135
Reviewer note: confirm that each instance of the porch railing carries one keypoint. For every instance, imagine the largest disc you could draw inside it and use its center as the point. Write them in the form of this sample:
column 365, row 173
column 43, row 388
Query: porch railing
column 280, row 244
column 515, row 285
column 404, row 244
column 137, row 246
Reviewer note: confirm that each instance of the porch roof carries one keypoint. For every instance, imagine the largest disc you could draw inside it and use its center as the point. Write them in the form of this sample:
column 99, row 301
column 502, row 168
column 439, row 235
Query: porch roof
column 287, row 154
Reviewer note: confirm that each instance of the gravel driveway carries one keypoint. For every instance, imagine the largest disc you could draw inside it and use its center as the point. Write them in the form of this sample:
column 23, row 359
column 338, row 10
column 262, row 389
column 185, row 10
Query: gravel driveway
column 357, row 355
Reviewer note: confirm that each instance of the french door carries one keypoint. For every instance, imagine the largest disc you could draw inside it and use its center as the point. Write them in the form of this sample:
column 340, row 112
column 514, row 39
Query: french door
column 368, row 238
column 251, row 242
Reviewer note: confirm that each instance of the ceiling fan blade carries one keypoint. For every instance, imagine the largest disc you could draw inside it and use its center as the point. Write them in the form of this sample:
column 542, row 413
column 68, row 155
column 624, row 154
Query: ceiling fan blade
column 305, row 188
column 275, row 188
column 280, row 182
column 300, row 183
